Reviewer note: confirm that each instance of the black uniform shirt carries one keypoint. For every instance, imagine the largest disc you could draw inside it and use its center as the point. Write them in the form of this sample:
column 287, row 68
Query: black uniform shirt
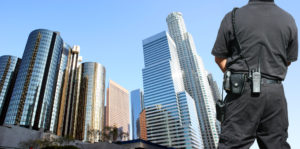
column 265, row 32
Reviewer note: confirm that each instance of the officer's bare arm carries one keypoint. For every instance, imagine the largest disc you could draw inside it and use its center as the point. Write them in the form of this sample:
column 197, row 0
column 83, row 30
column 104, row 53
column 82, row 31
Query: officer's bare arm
column 221, row 62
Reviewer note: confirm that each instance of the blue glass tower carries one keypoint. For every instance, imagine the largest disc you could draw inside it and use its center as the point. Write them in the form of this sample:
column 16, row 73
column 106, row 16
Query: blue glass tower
column 9, row 66
column 58, row 90
column 171, row 114
column 136, row 97
column 34, row 90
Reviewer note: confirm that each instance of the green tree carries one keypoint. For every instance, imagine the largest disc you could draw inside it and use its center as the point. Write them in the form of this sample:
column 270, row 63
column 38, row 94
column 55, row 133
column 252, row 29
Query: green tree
column 112, row 133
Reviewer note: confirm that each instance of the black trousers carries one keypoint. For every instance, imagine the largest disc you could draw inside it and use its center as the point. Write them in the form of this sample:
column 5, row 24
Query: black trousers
column 250, row 117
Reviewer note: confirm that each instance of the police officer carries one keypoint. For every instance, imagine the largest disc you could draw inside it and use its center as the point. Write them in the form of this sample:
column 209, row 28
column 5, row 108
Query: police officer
column 268, row 39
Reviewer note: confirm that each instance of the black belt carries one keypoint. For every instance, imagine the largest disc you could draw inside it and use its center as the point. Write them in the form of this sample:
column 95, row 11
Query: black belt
column 269, row 81
column 265, row 80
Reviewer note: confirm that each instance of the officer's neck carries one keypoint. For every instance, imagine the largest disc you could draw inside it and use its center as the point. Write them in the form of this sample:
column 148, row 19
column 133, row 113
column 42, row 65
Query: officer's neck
column 261, row 0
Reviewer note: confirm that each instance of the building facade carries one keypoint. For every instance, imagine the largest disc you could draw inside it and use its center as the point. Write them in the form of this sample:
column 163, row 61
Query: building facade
column 9, row 67
column 171, row 116
column 90, row 107
column 136, row 97
column 214, row 87
column 143, row 125
column 195, row 79
column 117, row 108
column 33, row 94
column 216, row 95
column 57, row 95
column 69, row 92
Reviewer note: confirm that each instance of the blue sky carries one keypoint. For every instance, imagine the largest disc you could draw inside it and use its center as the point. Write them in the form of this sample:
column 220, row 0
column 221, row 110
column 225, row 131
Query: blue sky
column 111, row 32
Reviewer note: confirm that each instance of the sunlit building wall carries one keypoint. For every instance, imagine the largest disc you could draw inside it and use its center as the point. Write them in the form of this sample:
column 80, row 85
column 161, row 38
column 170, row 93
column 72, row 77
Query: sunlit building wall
column 171, row 117
column 117, row 108
column 195, row 79
column 90, row 116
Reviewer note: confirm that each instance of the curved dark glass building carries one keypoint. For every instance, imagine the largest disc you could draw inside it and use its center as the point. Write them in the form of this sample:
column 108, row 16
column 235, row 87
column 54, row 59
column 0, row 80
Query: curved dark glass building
column 33, row 94
column 58, row 90
column 90, row 117
column 9, row 66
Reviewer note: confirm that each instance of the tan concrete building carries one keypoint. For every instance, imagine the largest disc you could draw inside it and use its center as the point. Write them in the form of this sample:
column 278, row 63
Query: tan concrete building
column 117, row 108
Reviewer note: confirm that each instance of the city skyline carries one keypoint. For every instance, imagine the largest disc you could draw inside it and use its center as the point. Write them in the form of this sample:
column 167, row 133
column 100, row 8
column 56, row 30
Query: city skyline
column 15, row 39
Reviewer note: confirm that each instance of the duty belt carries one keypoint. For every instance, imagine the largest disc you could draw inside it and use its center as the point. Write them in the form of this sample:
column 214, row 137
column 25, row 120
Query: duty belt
column 265, row 80
column 269, row 81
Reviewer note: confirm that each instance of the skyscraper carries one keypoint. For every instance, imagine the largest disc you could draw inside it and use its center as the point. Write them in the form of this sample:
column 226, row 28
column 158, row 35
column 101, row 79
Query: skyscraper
column 9, row 66
column 33, row 94
column 214, row 87
column 117, row 108
column 195, row 78
column 171, row 117
column 216, row 95
column 136, row 97
column 57, row 94
column 143, row 125
column 90, row 113
column 69, row 92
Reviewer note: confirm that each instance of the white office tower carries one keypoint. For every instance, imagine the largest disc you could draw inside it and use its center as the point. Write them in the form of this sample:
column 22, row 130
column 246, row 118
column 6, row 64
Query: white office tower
column 195, row 79
column 171, row 115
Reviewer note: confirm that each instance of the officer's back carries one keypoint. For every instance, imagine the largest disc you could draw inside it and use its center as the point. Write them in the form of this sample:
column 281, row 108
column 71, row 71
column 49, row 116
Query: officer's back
column 264, row 30
column 269, row 40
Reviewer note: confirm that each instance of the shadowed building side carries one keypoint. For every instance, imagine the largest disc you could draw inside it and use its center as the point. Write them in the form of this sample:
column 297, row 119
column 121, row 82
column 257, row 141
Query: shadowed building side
column 68, row 96
column 136, row 99
column 143, row 125
column 9, row 67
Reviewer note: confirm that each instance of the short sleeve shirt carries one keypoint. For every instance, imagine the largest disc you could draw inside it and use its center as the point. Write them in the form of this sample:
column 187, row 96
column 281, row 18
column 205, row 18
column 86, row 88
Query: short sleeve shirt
column 266, row 33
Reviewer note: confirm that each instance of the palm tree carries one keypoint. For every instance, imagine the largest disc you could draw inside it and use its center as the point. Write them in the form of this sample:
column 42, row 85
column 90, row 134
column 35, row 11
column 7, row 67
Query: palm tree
column 110, row 134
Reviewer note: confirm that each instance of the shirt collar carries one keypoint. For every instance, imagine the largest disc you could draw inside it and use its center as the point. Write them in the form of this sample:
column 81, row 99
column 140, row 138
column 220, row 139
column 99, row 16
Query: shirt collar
column 262, row 1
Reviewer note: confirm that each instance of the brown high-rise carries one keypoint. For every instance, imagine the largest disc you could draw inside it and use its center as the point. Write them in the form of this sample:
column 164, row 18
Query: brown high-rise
column 143, row 125
column 117, row 108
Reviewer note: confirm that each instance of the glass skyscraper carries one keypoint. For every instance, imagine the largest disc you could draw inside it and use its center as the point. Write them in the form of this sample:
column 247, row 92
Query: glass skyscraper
column 214, row 87
column 90, row 113
column 216, row 95
column 33, row 93
column 59, row 84
column 136, row 97
column 9, row 66
column 69, row 95
column 195, row 79
column 171, row 116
